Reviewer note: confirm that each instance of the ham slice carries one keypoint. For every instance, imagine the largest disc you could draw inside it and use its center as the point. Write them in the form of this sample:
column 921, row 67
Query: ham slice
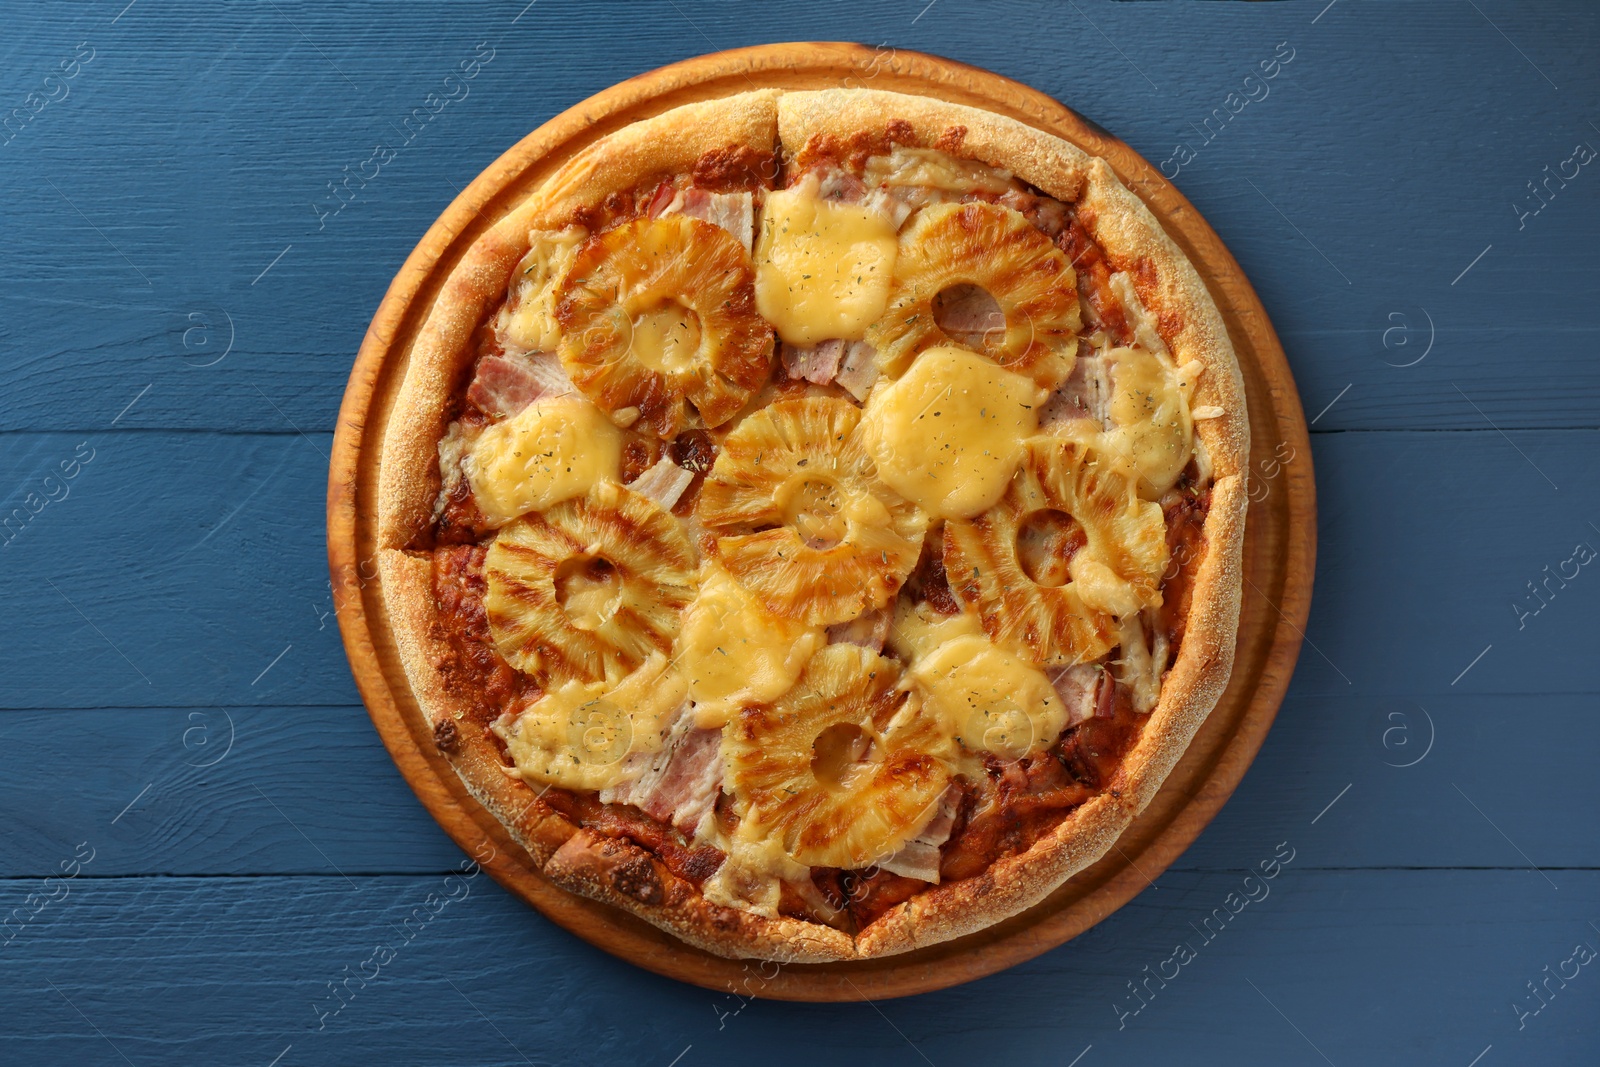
column 1085, row 691
column 506, row 384
column 868, row 630
column 1046, row 213
column 678, row 784
column 664, row 483
column 734, row 212
column 1086, row 394
column 970, row 315
column 920, row 856
column 858, row 371
column 818, row 363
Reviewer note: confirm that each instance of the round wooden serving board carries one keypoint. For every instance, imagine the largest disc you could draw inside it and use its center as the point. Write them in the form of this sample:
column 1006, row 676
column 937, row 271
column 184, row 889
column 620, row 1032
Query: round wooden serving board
column 1279, row 550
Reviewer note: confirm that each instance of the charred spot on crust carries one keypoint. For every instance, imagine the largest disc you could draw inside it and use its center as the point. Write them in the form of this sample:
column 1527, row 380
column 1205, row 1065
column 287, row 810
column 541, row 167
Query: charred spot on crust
column 856, row 148
column 445, row 735
column 950, row 140
column 735, row 169
column 636, row 878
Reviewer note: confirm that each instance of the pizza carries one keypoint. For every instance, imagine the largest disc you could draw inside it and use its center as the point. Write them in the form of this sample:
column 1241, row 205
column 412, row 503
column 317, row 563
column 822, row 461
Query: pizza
column 811, row 521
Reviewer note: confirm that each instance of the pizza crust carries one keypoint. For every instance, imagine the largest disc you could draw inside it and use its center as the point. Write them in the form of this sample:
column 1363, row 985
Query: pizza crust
column 628, row 877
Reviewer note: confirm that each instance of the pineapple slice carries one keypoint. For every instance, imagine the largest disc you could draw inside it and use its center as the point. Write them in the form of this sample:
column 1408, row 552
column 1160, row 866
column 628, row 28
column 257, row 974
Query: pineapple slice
column 657, row 312
column 946, row 246
column 1080, row 503
column 841, row 769
column 800, row 517
column 579, row 735
column 589, row 588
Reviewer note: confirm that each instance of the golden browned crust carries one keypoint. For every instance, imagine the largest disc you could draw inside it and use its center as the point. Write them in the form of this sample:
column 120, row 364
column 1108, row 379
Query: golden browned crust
column 582, row 862
column 1058, row 167
column 628, row 877
column 672, row 142
column 1188, row 319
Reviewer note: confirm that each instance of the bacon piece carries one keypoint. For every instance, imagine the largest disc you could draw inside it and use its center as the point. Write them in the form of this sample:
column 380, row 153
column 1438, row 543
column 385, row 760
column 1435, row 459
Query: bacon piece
column 1086, row 394
column 664, row 195
column 1045, row 213
column 664, row 482
column 504, row 385
column 1101, row 307
column 858, row 371
column 920, row 856
column 734, row 212
column 870, row 629
column 836, row 183
column 818, row 363
column 1080, row 688
column 970, row 315
column 680, row 783
column 1185, row 510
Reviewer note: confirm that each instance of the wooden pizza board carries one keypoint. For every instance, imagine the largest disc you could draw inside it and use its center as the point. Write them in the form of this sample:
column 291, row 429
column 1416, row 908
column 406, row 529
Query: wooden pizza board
column 1279, row 554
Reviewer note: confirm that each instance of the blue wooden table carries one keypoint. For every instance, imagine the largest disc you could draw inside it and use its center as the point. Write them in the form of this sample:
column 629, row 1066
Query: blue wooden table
column 203, row 838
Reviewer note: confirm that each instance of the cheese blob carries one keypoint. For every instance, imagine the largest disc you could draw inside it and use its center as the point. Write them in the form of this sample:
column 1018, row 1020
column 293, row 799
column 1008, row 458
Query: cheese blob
column 553, row 450
column 948, row 435
column 579, row 735
column 733, row 651
column 987, row 699
column 1150, row 418
column 822, row 268
column 1151, row 422
column 528, row 319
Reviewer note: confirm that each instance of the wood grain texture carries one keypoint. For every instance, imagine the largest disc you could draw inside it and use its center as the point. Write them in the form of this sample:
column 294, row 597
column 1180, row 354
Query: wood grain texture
column 196, row 141
column 479, row 982
column 1395, row 193
column 1431, row 538
column 313, row 791
column 1279, row 540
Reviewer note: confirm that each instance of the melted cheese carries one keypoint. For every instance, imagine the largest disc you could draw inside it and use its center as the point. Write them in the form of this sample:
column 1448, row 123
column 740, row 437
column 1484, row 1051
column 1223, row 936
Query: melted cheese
column 948, row 435
column 1100, row 587
column 578, row 736
column 933, row 169
column 751, row 878
column 733, row 651
column 986, row 698
column 918, row 629
column 553, row 450
column 822, row 268
column 1150, row 419
column 528, row 320
column 1143, row 662
column 1151, row 423
column 667, row 339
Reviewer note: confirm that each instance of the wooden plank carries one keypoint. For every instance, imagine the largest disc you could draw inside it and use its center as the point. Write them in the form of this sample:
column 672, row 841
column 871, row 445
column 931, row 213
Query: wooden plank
column 199, row 557
column 312, row 791
column 209, row 791
column 1396, row 209
column 1345, row 965
column 172, row 570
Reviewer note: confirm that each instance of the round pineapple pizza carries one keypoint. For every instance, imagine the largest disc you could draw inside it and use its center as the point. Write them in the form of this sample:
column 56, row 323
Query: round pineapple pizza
column 811, row 521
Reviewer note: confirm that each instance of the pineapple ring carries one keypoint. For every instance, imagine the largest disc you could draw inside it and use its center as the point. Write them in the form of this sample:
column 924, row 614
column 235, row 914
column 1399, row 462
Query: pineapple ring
column 659, row 311
column 801, row 518
column 840, row 770
column 997, row 249
column 1116, row 573
column 589, row 588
